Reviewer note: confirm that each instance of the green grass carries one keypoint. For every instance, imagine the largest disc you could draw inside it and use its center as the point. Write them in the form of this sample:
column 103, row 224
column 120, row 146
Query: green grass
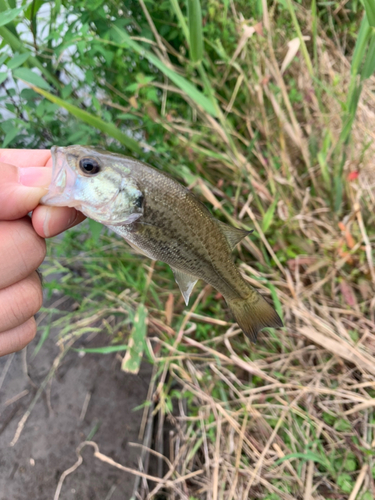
column 292, row 416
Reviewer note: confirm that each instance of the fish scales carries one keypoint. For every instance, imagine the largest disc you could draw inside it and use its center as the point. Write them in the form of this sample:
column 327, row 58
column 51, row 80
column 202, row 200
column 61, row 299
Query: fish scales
column 186, row 237
column 163, row 220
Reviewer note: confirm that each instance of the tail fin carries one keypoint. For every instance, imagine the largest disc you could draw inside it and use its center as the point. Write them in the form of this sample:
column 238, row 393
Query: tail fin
column 253, row 314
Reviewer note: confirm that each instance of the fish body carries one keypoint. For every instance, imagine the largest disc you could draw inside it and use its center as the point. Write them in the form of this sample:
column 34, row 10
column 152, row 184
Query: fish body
column 163, row 220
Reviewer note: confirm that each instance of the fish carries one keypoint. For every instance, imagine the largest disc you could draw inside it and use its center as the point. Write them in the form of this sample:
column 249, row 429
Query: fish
column 161, row 219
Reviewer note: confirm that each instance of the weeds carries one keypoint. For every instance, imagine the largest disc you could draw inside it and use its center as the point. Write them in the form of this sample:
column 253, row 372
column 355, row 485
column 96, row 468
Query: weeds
column 285, row 149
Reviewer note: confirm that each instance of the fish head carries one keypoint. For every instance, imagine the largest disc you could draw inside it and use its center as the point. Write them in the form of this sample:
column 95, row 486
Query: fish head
column 95, row 182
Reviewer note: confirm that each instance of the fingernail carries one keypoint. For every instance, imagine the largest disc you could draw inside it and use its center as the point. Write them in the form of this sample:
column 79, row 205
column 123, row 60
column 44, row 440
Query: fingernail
column 35, row 176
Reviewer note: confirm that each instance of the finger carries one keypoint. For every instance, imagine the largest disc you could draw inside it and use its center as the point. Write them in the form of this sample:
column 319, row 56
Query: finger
column 17, row 200
column 50, row 221
column 19, row 302
column 22, row 251
column 26, row 157
column 17, row 338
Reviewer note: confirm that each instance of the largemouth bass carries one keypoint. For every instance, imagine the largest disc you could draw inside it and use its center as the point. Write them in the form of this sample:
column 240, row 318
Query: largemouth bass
column 163, row 220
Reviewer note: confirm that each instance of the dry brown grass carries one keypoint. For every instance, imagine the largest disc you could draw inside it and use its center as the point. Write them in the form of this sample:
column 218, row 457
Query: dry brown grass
column 291, row 417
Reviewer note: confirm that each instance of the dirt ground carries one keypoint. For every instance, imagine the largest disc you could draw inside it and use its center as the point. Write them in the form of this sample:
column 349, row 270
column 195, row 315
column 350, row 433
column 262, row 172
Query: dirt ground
column 59, row 422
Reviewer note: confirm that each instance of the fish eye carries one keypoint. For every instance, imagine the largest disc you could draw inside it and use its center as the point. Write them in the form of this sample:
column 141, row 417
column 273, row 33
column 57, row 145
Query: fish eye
column 139, row 201
column 89, row 166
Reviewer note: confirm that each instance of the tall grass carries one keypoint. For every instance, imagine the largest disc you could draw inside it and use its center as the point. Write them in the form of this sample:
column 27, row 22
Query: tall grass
column 362, row 67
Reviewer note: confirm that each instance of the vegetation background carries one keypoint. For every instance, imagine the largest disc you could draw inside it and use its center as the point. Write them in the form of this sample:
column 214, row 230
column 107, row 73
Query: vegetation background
column 266, row 110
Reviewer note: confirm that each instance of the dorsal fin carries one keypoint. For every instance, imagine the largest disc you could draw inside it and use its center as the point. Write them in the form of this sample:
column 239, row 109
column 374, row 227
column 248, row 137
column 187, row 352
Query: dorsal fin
column 232, row 234
column 186, row 283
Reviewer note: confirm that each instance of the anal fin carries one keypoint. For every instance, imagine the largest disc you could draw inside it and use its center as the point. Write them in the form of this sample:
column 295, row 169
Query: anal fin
column 186, row 283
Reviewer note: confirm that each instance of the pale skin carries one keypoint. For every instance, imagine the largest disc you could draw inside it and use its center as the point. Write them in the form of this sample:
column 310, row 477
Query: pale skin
column 24, row 178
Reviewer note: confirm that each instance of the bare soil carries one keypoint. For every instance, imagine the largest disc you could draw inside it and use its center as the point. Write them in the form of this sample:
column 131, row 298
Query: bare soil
column 58, row 423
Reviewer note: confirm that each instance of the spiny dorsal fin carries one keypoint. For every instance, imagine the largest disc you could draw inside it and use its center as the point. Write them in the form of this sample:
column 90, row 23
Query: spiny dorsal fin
column 232, row 234
column 186, row 283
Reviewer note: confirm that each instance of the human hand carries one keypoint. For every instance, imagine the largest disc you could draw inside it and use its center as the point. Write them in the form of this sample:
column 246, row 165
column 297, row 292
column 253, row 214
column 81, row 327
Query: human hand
column 24, row 179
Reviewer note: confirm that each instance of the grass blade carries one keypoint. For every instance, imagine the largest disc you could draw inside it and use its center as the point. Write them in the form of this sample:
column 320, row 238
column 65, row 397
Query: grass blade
column 307, row 456
column 181, row 19
column 360, row 46
column 133, row 356
column 195, row 30
column 268, row 216
column 370, row 11
column 43, row 338
column 276, row 300
column 92, row 120
column 300, row 36
column 103, row 350
column 363, row 64
column 322, row 160
column 369, row 66
column 181, row 82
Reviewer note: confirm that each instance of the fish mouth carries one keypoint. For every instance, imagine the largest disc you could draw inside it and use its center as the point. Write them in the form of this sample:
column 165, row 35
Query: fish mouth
column 63, row 179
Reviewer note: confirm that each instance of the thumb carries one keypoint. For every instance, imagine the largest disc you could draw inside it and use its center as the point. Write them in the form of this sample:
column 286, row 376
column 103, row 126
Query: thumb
column 21, row 189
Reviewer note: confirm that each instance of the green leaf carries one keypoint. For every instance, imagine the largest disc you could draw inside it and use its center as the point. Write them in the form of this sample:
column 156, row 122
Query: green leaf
column 133, row 357
column 367, row 496
column 338, row 190
column 93, row 431
column 17, row 46
column 342, row 425
column 66, row 91
column 195, row 30
column 93, row 4
column 181, row 82
column 321, row 156
column 127, row 116
column 43, row 338
column 369, row 66
column 360, row 46
column 33, row 8
column 30, row 77
column 276, row 300
column 17, row 60
column 3, row 76
column 350, row 464
column 370, row 11
column 268, row 216
column 8, row 16
column 181, row 19
column 10, row 135
column 92, row 120
column 309, row 456
column 345, row 482
column 3, row 58
column 104, row 350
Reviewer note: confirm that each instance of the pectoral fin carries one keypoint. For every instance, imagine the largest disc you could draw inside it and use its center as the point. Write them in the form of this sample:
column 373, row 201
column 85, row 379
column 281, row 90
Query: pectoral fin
column 186, row 283
column 232, row 234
